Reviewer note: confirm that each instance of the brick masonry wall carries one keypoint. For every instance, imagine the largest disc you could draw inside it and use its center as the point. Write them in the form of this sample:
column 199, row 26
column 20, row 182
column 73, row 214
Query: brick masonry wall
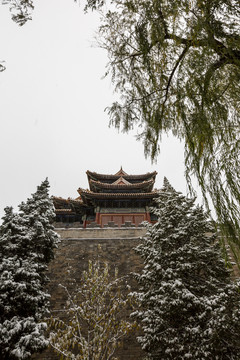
column 79, row 246
column 101, row 233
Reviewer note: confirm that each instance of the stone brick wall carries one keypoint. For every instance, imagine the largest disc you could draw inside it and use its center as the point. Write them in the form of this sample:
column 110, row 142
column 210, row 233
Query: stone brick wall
column 101, row 233
column 76, row 248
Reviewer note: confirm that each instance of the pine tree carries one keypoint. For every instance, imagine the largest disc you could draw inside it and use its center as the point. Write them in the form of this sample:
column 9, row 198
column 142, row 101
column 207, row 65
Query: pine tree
column 38, row 215
column 27, row 241
column 15, row 236
column 23, row 304
column 188, row 305
column 22, row 300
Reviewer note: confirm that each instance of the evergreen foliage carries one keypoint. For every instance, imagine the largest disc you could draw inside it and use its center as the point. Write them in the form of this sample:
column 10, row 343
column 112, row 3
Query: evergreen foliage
column 23, row 303
column 38, row 215
column 187, row 304
column 14, row 235
column 24, row 238
column 95, row 321
column 176, row 64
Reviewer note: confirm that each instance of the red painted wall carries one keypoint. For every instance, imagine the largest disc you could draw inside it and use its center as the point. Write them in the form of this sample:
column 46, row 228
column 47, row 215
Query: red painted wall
column 120, row 219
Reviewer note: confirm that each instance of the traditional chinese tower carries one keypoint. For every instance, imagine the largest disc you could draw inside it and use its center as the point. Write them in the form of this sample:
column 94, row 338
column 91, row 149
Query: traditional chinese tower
column 117, row 199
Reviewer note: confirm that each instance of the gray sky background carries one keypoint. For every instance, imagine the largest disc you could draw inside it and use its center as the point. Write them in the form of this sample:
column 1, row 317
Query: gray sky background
column 52, row 101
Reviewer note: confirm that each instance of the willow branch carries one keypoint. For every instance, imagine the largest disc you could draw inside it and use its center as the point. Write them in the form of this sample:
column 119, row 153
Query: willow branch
column 172, row 74
column 211, row 70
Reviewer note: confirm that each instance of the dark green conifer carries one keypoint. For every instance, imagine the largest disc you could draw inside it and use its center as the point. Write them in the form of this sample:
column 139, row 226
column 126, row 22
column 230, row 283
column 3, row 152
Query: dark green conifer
column 189, row 307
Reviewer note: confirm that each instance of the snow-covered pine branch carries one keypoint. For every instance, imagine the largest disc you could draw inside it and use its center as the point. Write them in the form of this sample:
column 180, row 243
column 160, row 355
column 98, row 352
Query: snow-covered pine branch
column 188, row 305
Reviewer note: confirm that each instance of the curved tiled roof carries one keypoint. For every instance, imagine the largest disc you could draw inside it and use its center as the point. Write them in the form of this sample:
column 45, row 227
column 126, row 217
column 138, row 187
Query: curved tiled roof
column 60, row 200
column 67, row 205
column 96, row 176
column 128, row 195
column 98, row 185
column 63, row 210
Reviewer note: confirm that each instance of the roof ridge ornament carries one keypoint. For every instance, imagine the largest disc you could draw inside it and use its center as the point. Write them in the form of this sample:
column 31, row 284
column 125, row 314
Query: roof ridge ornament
column 121, row 181
column 121, row 172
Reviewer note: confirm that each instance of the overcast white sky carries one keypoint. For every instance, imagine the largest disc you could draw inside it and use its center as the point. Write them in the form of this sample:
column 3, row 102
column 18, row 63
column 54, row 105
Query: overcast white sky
column 52, row 101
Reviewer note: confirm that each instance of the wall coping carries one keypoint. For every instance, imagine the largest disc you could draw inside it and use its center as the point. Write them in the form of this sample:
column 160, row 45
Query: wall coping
column 100, row 233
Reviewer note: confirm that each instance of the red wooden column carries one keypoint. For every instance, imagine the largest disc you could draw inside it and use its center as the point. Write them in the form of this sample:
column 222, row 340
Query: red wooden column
column 148, row 217
column 97, row 218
